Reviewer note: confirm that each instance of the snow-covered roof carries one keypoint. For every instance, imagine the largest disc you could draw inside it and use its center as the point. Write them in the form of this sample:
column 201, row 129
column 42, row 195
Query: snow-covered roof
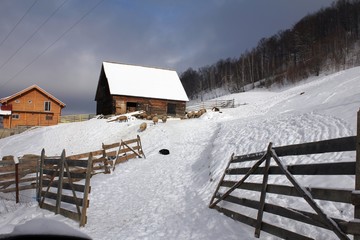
column 6, row 99
column 4, row 112
column 131, row 80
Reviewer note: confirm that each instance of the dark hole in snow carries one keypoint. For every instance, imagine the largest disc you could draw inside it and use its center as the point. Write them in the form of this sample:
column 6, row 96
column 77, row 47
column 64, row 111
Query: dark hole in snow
column 164, row 152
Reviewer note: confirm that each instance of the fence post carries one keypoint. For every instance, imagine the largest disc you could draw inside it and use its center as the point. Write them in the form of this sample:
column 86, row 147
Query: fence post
column 17, row 181
column 357, row 177
column 60, row 187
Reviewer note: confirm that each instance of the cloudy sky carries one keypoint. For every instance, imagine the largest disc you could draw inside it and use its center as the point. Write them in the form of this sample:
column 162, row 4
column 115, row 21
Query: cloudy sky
column 60, row 44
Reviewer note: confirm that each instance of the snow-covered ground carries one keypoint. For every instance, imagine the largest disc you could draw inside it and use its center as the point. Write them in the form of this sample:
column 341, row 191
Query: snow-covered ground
column 167, row 196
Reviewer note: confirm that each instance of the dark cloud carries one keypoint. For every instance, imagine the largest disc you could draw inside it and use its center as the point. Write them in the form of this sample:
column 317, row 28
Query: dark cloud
column 167, row 34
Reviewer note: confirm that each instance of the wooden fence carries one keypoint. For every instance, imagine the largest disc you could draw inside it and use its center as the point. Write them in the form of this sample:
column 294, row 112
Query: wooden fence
column 210, row 104
column 76, row 118
column 18, row 174
column 57, row 178
column 230, row 191
column 105, row 159
column 58, row 191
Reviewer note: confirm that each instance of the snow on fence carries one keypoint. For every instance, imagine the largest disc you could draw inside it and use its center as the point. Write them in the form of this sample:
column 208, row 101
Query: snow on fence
column 234, row 191
column 212, row 103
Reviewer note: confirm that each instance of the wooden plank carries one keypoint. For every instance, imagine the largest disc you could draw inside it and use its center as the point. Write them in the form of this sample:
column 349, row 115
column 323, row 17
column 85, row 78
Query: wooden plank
column 266, row 227
column 21, row 188
column 84, row 155
column 332, row 145
column 295, row 214
column 55, row 184
column 64, row 212
column 64, row 198
column 326, row 146
column 352, row 227
column 125, row 158
column 72, row 163
column 127, row 142
column 61, row 178
column 248, row 157
column 83, row 217
column 263, row 194
column 109, row 146
column 73, row 174
column 337, row 168
column 41, row 174
column 7, row 162
column 21, row 168
column 328, row 194
column 357, row 176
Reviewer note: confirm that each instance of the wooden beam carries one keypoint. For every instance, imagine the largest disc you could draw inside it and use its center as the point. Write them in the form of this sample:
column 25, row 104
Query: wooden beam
column 327, row 194
column 266, row 227
column 336, row 168
column 357, row 176
column 61, row 178
column 326, row 146
column 263, row 193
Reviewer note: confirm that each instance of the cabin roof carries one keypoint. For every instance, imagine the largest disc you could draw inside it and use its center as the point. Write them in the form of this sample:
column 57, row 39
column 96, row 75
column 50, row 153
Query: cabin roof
column 138, row 81
column 22, row 92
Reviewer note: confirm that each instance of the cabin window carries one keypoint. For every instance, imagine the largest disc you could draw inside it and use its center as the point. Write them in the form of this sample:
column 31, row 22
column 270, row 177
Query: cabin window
column 30, row 101
column 49, row 117
column 17, row 101
column 47, row 106
column 15, row 116
column 171, row 108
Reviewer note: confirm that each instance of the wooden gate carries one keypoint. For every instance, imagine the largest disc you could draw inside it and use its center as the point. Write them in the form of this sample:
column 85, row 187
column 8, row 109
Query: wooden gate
column 58, row 191
column 230, row 193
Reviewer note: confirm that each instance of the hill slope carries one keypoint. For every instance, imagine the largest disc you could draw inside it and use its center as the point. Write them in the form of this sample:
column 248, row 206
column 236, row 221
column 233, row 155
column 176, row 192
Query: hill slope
column 166, row 197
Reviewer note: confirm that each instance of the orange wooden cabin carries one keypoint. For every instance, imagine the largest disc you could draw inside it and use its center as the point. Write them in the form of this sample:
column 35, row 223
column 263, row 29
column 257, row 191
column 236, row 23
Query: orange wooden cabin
column 32, row 106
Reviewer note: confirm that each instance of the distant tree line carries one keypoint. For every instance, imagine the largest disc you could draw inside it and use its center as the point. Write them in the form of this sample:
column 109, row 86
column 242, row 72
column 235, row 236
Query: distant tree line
column 327, row 40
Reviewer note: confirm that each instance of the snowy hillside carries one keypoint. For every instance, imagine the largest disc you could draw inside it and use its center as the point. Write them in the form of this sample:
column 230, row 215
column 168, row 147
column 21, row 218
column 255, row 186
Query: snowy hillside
column 167, row 197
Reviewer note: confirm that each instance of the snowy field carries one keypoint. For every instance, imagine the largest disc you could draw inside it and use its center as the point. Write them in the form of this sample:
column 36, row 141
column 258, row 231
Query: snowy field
column 167, row 197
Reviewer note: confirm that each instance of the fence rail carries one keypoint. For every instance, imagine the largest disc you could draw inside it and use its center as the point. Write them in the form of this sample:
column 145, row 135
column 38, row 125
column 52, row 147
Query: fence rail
column 76, row 118
column 231, row 191
column 18, row 174
column 212, row 103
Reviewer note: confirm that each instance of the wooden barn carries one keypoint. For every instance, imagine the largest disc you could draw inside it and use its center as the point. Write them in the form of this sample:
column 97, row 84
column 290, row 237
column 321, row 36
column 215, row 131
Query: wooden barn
column 32, row 106
column 126, row 88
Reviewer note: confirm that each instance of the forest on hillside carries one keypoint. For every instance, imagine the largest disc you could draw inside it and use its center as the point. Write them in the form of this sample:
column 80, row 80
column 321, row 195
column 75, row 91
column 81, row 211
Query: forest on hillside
column 327, row 40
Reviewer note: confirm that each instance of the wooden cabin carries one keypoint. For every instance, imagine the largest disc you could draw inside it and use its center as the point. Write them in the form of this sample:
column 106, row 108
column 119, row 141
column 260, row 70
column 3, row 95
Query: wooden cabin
column 126, row 88
column 32, row 106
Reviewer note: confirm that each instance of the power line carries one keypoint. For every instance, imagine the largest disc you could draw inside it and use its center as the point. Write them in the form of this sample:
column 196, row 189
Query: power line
column 32, row 35
column 53, row 43
column 12, row 30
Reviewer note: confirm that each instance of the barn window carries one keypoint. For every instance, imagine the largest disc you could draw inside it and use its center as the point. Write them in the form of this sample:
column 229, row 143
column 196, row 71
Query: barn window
column 171, row 108
column 47, row 106
column 15, row 116
column 131, row 106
